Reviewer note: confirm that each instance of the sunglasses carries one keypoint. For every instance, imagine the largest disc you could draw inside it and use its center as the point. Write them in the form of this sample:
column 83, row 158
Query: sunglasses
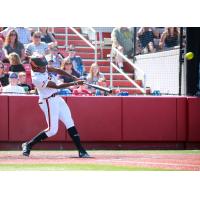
column 37, row 36
column 13, row 34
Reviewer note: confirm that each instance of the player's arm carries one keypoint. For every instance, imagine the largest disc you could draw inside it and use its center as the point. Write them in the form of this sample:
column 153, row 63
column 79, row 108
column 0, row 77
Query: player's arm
column 140, row 31
column 162, row 40
column 51, row 84
column 61, row 72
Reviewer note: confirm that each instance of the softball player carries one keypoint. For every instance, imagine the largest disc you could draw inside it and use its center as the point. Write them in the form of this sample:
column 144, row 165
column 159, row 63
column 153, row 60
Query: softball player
column 53, row 106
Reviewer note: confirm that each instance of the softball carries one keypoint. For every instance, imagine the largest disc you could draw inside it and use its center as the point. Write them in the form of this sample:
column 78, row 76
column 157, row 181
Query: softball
column 189, row 55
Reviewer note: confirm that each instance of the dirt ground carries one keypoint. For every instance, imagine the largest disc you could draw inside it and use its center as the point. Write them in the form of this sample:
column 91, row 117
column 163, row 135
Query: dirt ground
column 171, row 161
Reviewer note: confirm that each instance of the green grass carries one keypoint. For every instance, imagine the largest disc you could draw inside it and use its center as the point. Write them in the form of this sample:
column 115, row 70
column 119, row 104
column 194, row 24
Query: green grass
column 63, row 167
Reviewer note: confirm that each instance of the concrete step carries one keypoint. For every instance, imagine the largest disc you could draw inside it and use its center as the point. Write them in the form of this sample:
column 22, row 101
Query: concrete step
column 74, row 42
column 121, row 83
column 88, row 62
column 70, row 36
column 127, row 67
column 124, row 83
column 103, row 69
column 81, row 49
column 85, row 55
column 117, row 76
column 62, row 30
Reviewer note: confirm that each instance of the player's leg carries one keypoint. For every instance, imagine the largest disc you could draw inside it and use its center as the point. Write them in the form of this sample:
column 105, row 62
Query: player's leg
column 66, row 118
column 50, row 109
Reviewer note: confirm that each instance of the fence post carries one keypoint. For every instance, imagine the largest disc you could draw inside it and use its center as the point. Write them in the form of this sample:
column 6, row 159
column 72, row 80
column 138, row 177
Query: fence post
column 134, row 42
column 181, row 59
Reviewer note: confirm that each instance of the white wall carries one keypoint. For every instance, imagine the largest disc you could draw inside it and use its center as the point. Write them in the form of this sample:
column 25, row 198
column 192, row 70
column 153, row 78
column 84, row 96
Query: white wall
column 162, row 70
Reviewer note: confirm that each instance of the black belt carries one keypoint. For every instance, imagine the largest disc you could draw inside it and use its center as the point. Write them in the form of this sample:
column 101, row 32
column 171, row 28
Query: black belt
column 53, row 95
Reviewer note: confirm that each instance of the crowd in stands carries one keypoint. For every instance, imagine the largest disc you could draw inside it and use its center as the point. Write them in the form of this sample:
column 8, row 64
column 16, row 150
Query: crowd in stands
column 17, row 44
column 131, row 42
column 123, row 40
column 148, row 39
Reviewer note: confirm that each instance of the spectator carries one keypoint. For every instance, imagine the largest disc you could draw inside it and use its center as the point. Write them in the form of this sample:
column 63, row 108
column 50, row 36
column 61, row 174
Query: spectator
column 67, row 66
column 102, row 82
column 47, row 36
column 146, row 37
column 122, row 39
column 15, row 63
column 1, row 35
column 3, row 76
column 76, row 60
column 94, row 74
column 37, row 47
column 4, row 31
column 65, row 92
column 169, row 38
column 22, row 82
column 82, row 90
column 159, row 31
column 54, row 58
column 24, row 35
column 13, row 87
column 2, row 52
column 13, row 45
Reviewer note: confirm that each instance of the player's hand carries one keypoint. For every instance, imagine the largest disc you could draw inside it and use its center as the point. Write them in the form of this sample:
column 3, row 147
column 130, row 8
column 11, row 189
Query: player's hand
column 75, row 78
column 80, row 82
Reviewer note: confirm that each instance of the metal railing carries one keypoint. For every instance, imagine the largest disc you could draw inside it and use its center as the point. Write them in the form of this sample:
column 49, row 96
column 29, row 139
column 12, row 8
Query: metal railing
column 142, row 89
column 94, row 47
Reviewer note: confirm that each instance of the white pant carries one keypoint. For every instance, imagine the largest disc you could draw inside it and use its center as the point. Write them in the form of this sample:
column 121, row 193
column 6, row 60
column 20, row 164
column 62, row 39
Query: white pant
column 56, row 109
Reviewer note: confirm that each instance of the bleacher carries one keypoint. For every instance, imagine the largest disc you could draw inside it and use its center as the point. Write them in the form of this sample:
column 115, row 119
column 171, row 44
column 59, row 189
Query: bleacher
column 104, row 46
column 87, row 54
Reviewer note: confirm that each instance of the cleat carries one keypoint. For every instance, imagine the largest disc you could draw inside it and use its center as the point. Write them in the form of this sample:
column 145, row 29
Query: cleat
column 84, row 155
column 26, row 149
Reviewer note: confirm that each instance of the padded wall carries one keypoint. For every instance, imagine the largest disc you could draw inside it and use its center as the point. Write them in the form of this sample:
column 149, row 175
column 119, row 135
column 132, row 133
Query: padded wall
column 26, row 119
column 97, row 118
column 149, row 119
column 193, row 119
column 4, row 118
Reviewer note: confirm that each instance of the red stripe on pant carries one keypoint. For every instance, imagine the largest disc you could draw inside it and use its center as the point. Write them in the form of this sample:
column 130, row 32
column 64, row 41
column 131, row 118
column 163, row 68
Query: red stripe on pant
column 49, row 116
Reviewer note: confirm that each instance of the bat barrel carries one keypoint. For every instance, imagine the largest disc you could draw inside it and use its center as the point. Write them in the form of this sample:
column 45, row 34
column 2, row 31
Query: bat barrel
column 99, row 87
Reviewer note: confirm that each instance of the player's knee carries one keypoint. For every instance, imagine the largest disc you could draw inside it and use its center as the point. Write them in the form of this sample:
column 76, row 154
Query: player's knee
column 52, row 132
column 69, row 123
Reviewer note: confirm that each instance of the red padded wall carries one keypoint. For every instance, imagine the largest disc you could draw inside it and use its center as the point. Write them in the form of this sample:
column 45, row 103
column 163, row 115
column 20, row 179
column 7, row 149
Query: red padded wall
column 4, row 118
column 107, row 119
column 149, row 119
column 194, row 119
column 26, row 119
column 181, row 119
column 97, row 118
